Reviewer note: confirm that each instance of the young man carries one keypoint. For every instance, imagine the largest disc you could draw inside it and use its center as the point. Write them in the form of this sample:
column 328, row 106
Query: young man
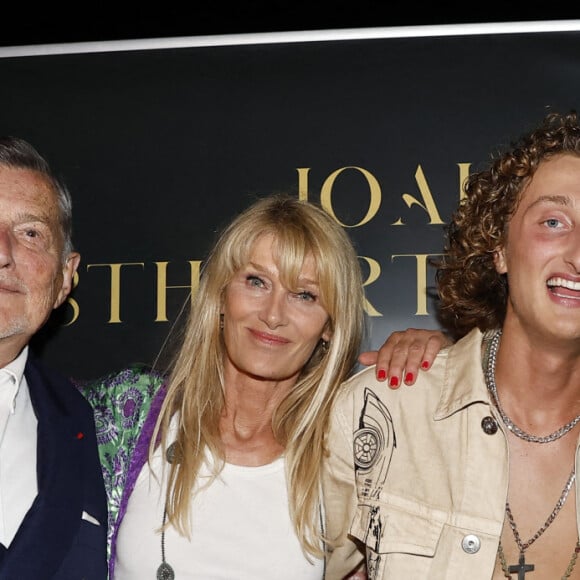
column 53, row 512
column 471, row 473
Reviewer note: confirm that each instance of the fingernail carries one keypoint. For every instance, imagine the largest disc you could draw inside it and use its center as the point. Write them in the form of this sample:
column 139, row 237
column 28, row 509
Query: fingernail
column 382, row 374
column 394, row 382
column 409, row 378
column 424, row 365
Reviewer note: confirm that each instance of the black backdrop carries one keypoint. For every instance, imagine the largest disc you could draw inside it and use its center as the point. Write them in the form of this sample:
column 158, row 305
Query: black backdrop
column 162, row 146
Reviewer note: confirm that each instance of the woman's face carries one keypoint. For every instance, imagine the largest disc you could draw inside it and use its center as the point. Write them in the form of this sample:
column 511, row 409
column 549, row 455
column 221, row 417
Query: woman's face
column 270, row 331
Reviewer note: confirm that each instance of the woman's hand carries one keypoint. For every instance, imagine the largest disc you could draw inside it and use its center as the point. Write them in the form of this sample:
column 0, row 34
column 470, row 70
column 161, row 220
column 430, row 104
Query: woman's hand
column 404, row 353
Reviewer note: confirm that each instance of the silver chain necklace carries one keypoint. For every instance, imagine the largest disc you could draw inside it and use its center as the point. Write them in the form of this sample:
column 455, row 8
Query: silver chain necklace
column 490, row 380
column 523, row 546
column 165, row 571
column 522, row 567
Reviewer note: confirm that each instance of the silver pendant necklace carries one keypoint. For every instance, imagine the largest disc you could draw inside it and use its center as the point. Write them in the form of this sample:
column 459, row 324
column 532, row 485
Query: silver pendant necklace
column 522, row 567
column 490, row 380
column 165, row 571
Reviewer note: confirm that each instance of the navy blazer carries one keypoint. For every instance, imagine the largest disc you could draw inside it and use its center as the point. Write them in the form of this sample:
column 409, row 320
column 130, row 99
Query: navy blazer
column 57, row 540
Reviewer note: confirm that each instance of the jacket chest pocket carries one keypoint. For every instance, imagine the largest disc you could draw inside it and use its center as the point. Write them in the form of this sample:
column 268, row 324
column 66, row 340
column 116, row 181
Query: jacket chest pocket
column 419, row 543
column 385, row 528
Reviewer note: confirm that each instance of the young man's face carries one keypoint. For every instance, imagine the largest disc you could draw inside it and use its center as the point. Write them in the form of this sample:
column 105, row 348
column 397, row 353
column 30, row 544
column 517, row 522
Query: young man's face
column 542, row 253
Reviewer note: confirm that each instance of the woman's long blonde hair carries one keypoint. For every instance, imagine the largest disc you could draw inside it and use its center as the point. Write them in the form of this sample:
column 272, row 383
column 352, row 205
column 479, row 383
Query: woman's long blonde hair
column 195, row 388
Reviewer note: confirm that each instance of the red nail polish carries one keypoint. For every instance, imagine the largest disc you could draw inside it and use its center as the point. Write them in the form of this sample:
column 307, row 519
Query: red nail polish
column 409, row 377
column 382, row 374
column 424, row 365
column 394, row 382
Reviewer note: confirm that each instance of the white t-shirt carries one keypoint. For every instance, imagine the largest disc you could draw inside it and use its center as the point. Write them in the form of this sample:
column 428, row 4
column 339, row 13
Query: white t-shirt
column 241, row 530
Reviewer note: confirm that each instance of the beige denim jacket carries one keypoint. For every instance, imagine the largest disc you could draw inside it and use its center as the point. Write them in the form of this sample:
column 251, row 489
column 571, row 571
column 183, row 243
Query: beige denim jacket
column 419, row 474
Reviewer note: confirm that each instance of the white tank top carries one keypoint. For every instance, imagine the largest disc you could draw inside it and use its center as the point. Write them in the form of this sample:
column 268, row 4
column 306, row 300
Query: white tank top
column 241, row 530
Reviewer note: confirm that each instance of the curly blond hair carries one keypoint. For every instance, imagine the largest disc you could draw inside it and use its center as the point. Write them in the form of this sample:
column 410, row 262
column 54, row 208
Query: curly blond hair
column 471, row 292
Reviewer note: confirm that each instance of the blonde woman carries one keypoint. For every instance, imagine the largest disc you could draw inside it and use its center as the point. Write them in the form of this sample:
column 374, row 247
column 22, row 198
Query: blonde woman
column 215, row 471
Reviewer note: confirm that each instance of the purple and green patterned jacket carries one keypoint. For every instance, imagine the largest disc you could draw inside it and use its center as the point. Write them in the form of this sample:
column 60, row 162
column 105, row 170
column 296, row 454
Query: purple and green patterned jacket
column 126, row 405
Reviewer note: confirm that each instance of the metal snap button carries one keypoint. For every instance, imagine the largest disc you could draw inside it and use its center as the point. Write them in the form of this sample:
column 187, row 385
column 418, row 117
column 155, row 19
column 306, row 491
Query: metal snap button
column 489, row 425
column 471, row 544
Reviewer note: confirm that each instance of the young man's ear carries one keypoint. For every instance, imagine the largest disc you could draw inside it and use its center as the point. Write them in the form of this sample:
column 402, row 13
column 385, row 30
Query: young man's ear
column 499, row 260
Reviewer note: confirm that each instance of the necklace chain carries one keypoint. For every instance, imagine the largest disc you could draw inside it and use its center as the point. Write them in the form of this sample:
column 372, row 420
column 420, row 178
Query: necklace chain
column 517, row 431
column 523, row 546
column 165, row 571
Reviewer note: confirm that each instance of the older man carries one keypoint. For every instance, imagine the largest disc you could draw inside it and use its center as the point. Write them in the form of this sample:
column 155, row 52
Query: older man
column 53, row 514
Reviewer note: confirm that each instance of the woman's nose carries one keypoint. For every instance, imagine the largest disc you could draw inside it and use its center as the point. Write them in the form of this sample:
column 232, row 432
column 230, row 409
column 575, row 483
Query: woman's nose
column 274, row 313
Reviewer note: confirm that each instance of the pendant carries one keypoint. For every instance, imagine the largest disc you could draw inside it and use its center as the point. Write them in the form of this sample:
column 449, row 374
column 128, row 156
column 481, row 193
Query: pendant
column 165, row 572
column 521, row 567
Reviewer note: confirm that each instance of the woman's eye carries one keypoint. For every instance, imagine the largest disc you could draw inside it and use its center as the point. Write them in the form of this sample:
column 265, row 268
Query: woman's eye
column 255, row 281
column 306, row 296
column 553, row 223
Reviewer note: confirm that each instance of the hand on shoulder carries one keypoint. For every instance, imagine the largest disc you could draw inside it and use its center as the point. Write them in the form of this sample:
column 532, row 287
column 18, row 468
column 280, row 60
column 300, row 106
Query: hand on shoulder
column 404, row 354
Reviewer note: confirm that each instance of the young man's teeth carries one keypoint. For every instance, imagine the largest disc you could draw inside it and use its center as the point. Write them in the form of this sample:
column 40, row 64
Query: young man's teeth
column 564, row 283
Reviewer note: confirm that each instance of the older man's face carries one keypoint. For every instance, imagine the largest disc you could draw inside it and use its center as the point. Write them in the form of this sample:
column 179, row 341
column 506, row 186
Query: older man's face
column 34, row 278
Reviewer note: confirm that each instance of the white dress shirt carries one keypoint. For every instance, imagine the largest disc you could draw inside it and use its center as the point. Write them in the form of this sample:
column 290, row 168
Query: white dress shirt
column 18, row 424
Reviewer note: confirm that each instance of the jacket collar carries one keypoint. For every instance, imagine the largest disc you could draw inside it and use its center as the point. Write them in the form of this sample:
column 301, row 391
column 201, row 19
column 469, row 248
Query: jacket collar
column 464, row 381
